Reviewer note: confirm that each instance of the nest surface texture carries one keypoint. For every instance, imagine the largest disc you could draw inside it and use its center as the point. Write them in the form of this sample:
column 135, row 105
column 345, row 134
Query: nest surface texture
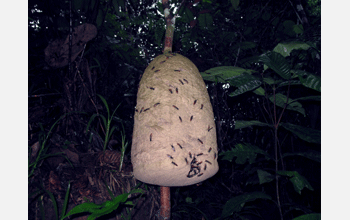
column 174, row 136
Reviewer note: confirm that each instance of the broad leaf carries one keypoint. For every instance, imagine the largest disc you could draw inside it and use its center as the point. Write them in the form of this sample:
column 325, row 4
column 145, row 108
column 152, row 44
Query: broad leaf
column 235, row 4
column 306, row 134
column 243, row 124
column 259, row 91
column 312, row 155
column 299, row 182
column 224, row 73
column 236, row 204
column 291, row 82
column 265, row 177
column 188, row 15
column 205, row 20
column 309, row 98
column 244, row 83
column 243, row 152
column 293, row 105
column 245, row 45
column 277, row 63
column 286, row 48
column 313, row 216
column 308, row 80
column 98, row 210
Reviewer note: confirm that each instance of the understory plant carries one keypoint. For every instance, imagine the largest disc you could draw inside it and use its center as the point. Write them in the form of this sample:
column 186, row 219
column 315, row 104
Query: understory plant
column 107, row 128
column 37, row 154
column 98, row 210
column 280, row 88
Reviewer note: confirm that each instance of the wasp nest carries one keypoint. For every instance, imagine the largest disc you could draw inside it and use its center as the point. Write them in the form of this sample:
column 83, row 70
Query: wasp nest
column 174, row 137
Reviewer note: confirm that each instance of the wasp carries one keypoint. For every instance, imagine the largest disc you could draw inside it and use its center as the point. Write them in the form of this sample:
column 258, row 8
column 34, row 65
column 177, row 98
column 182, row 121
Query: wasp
column 156, row 71
column 205, row 166
column 176, row 107
column 181, row 81
column 152, row 68
column 146, row 110
column 173, row 163
column 199, row 154
column 191, row 118
column 200, row 141
column 150, row 137
column 194, row 160
column 171, row 91
column 186, row 160
column 177, row 70
column 151, row 88
column 201, row 106
column 209, row 128
column 180, row 119
column 200, row 174
column 185, row 81
column 156, row 104
column 141, row 109
column 179, row 145
column 193, row 171
column 173, row 148
column 177, row 91
column 208, row 162
column 162, row 62
column 209, row 150
column 170, row 156
column 195, row 101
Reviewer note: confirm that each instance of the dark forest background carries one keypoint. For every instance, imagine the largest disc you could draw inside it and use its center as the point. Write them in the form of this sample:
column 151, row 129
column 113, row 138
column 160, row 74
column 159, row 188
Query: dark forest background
column 261, row 61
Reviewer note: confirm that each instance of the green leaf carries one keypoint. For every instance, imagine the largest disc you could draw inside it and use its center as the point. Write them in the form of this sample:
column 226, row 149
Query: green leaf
column 91, row 120
column 244, row 124
column 265, row 177
column 53, row 202
column 188, row 16
column 205, row 20
column 292, row 104
column 100, row 17
column 286, row 48
column 277, row 63
column 309, row 98
column 270, row 80
column 236, row 204
column 235, row 4
column 313, row 216
column 243, row 152
column 259, row 91
column 312, row 155
column 307, row 134
column 101, row 209
column 289, row 82
column 288, row 27
column 299, row 182
column 104, row 121
column 244, row 83
column 65, row 203
column 224, row 73
column 298, row 28
column 105, row 103
column 308, row 80
column 245, row 45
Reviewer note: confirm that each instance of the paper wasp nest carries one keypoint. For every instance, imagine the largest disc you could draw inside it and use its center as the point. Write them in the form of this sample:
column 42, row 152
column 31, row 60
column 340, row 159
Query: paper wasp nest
column 174, row 137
